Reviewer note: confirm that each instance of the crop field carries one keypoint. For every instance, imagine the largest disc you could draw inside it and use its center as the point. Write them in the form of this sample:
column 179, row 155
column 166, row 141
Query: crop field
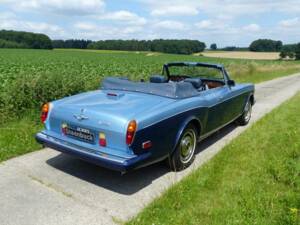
column 242, row 55
column 29, row 78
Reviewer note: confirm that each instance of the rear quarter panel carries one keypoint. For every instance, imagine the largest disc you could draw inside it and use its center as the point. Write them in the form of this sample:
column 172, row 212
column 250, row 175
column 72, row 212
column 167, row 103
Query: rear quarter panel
column 162, row 126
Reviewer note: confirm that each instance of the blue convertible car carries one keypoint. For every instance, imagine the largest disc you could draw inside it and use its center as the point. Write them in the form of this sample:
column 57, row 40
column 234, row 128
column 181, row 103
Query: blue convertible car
column 126, row 125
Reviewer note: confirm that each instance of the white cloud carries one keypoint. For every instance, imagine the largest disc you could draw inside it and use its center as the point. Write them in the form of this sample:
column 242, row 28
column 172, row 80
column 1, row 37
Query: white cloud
column 175, row 10
column 91, row 31
column 205, row 24
column 7, row 15
column 85, row 26
column 252, row 28
column 38, row 27
column 215, row 26
column 290, row 23
column 217, row 8
column 123, row 16
column 65, row 7
column 169, row 25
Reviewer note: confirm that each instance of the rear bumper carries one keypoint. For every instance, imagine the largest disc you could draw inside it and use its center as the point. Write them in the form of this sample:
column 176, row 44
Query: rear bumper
column 108, row 161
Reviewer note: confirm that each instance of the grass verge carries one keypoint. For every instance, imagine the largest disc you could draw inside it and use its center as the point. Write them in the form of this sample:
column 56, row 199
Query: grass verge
column 253, row 180
column 17, row 137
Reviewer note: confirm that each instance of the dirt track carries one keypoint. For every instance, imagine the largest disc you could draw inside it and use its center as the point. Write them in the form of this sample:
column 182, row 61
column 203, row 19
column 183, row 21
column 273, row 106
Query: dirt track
column 243, row 55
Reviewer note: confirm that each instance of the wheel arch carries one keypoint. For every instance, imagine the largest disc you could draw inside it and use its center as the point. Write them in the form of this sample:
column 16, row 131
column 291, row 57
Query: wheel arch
column 191, row 120
column 251, row 98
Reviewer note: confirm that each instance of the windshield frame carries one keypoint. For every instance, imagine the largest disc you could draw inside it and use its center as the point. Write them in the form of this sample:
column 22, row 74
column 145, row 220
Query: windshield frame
column 166, row 71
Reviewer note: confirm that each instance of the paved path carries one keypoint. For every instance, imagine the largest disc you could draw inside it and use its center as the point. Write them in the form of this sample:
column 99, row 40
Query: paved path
column 46, row 187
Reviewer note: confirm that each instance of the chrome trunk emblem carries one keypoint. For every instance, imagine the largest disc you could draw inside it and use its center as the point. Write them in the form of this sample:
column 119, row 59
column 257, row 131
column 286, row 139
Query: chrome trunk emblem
column 81, row 116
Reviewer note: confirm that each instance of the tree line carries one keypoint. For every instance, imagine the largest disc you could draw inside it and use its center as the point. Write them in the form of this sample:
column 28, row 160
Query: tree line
column 159, row 45
column 71, row 43
column 20, row 39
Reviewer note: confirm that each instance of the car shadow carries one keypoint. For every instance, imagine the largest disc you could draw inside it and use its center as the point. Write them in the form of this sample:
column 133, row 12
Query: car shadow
column 128, row 183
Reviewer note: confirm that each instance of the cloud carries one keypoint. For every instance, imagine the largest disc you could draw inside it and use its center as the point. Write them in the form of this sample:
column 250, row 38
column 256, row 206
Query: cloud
column 85, row 26
column 215, row 26
column 91, row 31
column 123, row 16
column 205, row 24
column 175, row 10
column 38, row 27
column 169, row 25
column 252, row 28
column 290, row 23
column 216, row 8
column 65, row 7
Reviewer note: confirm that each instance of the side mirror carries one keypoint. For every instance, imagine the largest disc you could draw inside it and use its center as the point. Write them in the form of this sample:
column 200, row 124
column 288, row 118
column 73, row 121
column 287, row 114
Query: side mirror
column 231, row 82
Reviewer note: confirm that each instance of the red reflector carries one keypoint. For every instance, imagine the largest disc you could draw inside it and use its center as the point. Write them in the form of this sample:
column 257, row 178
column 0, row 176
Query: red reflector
column 102, row 140
column 147, row 144
column 44, row 116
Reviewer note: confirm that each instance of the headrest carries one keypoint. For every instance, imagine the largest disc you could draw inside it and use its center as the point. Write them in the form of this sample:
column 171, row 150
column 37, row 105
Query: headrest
column 158, row 79
column 196, row 82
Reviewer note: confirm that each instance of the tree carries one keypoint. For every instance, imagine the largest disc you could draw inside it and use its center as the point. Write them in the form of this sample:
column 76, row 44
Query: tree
column 26, row 39
column 213, row 46
column 297, row 55
column 283, row 54
column 265, row 45
column 291, row 55
column 11, row 44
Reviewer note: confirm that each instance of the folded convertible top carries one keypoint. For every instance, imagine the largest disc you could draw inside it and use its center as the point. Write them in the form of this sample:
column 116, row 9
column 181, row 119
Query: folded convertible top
column 170, row 90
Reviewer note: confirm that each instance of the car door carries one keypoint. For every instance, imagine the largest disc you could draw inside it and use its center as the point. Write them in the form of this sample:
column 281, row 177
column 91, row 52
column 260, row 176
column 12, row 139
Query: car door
column 224, row 106
column 230, row 103
column 236, row 99
column 216, row 108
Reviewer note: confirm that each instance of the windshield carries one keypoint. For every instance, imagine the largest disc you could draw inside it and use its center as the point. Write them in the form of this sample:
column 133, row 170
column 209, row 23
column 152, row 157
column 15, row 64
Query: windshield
column 196, row 71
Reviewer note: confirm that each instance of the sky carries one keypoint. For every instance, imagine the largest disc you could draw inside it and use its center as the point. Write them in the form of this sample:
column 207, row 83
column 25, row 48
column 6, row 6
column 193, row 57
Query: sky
column 225, row 22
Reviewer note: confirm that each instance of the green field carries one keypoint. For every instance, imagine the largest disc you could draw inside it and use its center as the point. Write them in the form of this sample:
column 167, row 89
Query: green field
column 254, row 180
column 29, row 78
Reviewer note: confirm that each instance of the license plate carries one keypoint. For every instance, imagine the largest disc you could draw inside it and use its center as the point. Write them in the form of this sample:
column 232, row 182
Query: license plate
column 78, row 133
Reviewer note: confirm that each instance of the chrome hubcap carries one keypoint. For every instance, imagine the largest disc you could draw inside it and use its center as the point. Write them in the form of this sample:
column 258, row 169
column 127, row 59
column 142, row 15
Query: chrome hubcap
column 247, row 113
column 187, row 146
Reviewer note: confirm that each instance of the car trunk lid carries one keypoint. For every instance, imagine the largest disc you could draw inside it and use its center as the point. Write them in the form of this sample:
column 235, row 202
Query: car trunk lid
column 106, row 112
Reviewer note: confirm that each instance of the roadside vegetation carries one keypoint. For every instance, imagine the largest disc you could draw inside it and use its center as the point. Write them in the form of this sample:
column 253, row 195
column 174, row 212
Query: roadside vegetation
column 17, row 137
column 254, row 180
column 29, row 78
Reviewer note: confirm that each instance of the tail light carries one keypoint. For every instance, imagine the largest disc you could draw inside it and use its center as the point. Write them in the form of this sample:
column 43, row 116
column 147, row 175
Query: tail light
column 45, row 111
column 131, row 129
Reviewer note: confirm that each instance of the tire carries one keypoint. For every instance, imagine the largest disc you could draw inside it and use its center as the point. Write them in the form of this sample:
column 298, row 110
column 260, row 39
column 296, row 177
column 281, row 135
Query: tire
column 184, row 154
column 246, row 116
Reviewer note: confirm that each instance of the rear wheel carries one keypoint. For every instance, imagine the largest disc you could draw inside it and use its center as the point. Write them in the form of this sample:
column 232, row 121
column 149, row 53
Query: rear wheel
column 246, row 116
column 184, row 153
